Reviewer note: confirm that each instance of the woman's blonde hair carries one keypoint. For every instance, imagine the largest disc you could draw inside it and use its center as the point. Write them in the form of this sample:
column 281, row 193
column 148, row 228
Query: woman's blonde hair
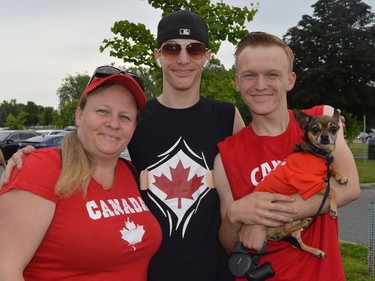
column 78, row 164
column 77, row 168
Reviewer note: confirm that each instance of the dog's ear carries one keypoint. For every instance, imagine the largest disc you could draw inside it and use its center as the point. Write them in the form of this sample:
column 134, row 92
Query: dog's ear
column 302, row 118
column 336, row 115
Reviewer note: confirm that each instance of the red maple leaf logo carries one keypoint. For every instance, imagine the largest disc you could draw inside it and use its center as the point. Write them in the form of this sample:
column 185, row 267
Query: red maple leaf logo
column 179, row 186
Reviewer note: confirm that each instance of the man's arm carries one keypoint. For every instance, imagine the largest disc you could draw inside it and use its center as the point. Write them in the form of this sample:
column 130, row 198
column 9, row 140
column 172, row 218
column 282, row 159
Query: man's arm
column 261, row 208
column 14, row 161
column 345, row 163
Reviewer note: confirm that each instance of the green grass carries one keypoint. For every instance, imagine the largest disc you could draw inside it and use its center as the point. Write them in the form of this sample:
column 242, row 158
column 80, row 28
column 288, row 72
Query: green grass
column 358, row 148
column 366, row 167
column 355, row 261
column 366, row 170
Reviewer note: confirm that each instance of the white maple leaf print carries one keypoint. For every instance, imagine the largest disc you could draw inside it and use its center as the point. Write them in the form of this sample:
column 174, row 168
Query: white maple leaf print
column 132, row 233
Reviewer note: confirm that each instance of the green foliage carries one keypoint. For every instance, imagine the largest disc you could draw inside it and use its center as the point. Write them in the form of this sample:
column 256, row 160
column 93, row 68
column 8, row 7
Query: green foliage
column 134, row 43
column 16, row 123
column 352, row 127
column 72, row 88
column 67, row 113
column 335, row 57
column 33, row 112
column 152, row 79
column 47, row 117
column 7, row 108
column 69, row 94
column 218, row 83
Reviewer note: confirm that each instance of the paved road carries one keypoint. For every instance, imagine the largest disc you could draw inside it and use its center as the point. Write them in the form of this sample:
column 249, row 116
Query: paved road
column 353, row 218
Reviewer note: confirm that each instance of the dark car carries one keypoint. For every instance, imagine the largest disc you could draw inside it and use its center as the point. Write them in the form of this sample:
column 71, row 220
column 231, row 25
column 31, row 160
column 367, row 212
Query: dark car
column 43, row 141
column 9, row 140
column 8, row 136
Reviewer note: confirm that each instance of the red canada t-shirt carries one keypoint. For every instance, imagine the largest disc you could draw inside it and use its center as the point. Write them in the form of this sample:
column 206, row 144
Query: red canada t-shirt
column 107, row 235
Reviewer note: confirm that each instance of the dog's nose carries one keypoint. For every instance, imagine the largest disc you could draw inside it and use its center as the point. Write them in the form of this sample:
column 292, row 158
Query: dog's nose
column 324, row 139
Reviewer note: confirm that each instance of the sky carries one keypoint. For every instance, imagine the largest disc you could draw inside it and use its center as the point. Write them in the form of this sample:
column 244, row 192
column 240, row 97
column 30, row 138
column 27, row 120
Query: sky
column 43, row 41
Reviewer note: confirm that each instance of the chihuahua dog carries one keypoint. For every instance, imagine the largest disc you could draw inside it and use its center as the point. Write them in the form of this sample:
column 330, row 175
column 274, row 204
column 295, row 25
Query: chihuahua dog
column 306, row 172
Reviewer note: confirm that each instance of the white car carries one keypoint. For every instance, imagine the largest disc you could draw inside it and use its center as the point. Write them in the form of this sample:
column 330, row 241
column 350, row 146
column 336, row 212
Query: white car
column 51, row 132
column 363, row 135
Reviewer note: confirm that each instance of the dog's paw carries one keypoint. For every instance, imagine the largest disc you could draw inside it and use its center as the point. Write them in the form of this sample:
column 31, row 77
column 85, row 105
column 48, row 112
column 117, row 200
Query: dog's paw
column 320, row 254
column 333, row 212
column 306, row 222
column 341, row 179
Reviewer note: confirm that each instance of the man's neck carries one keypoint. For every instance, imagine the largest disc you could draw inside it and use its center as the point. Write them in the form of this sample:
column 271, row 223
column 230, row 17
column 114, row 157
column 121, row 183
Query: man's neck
column 272, row 124
column 179, row 99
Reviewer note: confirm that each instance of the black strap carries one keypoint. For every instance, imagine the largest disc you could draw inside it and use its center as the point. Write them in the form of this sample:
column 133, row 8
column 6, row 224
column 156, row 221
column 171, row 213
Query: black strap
column 132, row 170
column 326, row 194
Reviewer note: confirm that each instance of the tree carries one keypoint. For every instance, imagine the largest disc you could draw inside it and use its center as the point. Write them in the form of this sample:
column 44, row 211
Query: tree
column 67, row 114
column 134, row 43
column 151, row 79
column 33, row 112
column 335, row 57
column 47, row 116
column 69, row 94
column 5, row 110
column 16, row 122
column 72, row 88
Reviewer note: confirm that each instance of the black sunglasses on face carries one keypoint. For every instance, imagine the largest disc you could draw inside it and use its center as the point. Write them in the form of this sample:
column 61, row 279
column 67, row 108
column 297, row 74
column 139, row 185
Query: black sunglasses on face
column 105, row 71
column 195, row 50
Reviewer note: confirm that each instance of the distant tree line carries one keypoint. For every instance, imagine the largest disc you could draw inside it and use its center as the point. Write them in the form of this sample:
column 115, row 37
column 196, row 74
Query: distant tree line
column 334, row 62
column 15, row 115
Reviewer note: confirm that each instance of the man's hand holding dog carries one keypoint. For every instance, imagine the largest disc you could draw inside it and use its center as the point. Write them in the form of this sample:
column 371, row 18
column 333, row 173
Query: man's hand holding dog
column 257, row 211
column 268, row 209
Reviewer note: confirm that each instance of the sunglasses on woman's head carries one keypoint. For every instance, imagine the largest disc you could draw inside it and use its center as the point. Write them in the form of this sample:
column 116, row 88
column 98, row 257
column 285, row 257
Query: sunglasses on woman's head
column 195, row 50
column 105, row 71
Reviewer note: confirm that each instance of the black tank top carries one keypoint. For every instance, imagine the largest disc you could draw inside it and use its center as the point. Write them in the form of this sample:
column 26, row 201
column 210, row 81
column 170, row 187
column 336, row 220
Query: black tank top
column 178, row 147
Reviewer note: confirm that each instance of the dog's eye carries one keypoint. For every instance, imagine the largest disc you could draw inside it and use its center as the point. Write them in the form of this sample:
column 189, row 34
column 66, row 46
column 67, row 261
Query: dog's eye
column 315, row 130
column 334, row 129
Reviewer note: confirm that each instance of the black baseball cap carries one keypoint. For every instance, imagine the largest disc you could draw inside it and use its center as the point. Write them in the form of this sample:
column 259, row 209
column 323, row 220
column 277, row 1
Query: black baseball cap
column 182, row 25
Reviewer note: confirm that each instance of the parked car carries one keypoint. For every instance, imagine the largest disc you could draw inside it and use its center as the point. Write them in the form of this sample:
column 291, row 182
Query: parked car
column 8, row 136
column 52, row 132
column 362, row 135
column 43, row 141
column 9, row 140
column 70, row 128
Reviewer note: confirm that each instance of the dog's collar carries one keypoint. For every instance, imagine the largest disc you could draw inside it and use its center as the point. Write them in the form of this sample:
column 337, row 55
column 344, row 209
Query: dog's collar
column 327, row 155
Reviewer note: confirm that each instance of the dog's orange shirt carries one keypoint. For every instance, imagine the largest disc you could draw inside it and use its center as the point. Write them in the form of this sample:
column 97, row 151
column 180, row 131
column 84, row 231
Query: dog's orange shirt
column 301, row 172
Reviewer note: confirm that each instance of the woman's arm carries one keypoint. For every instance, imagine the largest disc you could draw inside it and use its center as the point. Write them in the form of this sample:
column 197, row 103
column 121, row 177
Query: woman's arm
column 24, row 220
